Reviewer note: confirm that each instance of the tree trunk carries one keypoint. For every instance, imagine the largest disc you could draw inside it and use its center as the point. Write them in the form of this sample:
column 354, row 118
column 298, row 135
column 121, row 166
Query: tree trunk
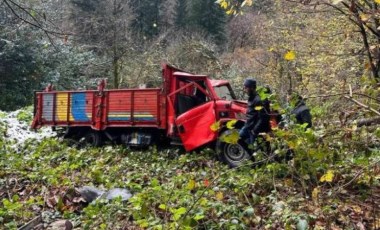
column 115, row 65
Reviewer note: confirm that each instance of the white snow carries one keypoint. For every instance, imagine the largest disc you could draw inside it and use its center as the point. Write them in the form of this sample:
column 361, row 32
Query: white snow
column 17, row 132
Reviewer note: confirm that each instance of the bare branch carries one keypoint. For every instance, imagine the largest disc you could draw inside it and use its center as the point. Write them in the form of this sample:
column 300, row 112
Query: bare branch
column 363, row 105
column 36, row 22
column 341, row 94
column 368, row 121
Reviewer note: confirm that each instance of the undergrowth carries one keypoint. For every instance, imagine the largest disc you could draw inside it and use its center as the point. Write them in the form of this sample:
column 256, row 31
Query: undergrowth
column 333, row 181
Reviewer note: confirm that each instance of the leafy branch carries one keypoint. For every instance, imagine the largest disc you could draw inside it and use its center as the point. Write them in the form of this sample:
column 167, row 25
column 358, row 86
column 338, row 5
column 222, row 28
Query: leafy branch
column 360, row 172
column 14, row 7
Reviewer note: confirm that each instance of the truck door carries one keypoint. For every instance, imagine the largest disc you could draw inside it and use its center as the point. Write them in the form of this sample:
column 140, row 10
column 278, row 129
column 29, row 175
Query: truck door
column 195, row 113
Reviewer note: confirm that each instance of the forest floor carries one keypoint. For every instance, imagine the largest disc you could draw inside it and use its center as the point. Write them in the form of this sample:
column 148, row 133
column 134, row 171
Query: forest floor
column 176, row 190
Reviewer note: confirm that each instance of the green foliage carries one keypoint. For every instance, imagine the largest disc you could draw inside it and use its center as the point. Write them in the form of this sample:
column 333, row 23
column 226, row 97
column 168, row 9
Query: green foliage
column 25, row 115
column 3, row 114
column 334, row 167
column 207, row 16
column 103, row 27
column 72, row 68
column 27, row 65
column 185, row 191
column 20, row 70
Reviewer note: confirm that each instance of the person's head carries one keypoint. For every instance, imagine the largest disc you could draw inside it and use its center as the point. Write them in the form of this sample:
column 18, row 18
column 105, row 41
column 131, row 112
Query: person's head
column 249, row 85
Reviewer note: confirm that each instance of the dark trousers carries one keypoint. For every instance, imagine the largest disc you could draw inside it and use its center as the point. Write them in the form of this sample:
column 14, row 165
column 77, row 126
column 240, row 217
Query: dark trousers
column 247, row 136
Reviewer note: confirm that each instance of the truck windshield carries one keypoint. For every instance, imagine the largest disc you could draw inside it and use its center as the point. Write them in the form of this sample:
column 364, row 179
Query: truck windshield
column 224, row 92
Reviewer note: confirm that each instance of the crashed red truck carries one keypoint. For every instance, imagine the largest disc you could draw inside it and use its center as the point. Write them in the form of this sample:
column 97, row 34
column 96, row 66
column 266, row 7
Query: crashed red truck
column 180, row 112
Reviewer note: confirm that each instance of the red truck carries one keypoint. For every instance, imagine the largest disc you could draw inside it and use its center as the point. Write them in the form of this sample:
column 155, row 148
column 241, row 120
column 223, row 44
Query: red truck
column 181, row 111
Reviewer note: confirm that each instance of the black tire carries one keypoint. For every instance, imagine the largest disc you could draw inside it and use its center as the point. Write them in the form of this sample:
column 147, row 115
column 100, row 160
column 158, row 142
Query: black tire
column 94, row 139
column 232, row 154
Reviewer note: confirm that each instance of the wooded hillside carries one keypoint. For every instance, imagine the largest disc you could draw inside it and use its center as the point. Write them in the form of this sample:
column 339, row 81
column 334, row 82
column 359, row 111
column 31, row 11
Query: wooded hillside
column 328, row 51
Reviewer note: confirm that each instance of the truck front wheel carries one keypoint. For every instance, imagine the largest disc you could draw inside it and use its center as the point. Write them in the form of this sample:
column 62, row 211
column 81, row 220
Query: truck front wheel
column 232, row 154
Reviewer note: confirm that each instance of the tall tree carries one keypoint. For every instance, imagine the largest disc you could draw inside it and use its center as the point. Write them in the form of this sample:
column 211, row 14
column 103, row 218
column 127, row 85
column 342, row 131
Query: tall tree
column 103, row 26
column 146, row 23
column 20, row 71
column 21, row 58
column 167, row 15
column 208, row 17
column 364, row 16
column 181, row 14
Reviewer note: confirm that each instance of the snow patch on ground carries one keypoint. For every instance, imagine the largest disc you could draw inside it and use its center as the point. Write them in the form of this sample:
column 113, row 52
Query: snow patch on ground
column 16, row 131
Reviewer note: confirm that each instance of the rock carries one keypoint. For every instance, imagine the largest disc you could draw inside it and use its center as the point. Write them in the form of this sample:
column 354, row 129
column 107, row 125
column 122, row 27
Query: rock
column 90, row 193
column 249, row 211
column 117, row 192
column 278, row 208
column 60, row 225
column 302, row 224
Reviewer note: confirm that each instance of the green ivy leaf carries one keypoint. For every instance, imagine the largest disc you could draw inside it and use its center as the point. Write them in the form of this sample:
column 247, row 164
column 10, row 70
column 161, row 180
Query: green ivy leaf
column 199, row 216
column 155, row 182
column 103, row 226
column 15, row 198
column 178, row 213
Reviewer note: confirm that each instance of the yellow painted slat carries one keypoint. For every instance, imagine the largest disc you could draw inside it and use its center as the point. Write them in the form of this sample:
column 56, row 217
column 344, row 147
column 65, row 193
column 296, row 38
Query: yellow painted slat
column 62, row 107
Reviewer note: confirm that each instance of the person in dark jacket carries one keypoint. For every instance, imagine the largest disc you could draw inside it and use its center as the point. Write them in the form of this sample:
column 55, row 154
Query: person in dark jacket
column 257, row 116
column 300, row 110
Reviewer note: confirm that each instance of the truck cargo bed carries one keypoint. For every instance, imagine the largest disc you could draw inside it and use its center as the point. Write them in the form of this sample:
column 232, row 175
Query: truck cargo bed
column 100, row 109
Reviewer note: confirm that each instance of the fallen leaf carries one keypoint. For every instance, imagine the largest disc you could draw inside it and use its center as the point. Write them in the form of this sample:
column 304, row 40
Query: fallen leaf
column 288, row 182
column 357, row 209
column 315, row 193
column 328, row 177
column 335, row 2
column 360, row 226
column 52, row 201
column 191, row 184
column 219, row 196
column 247, row 2
column 290, row 55
column 364, row 17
